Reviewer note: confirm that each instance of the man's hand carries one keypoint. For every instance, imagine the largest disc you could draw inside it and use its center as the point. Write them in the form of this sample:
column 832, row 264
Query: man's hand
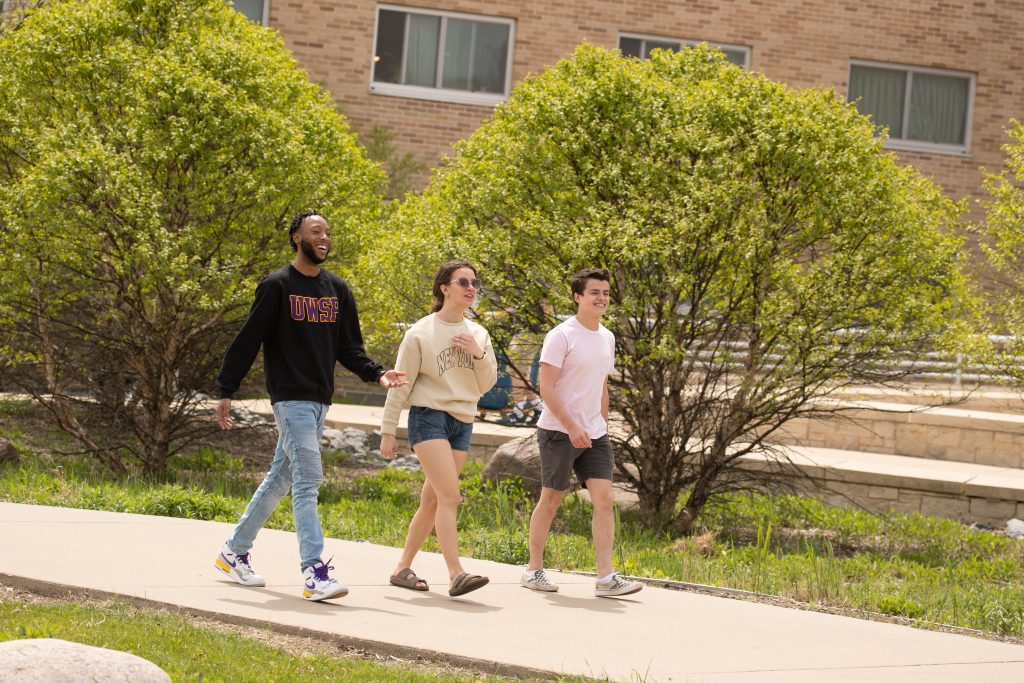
column 224, row 413
column 578, row 437
column 388, row 446
column 392, row 379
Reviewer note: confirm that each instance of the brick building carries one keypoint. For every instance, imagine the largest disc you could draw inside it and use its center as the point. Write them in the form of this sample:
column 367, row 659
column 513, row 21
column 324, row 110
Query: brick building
column 944, row 76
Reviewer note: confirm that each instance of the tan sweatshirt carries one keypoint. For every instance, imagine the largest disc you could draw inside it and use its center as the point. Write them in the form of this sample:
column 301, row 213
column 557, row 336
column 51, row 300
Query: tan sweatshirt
column 440, row 375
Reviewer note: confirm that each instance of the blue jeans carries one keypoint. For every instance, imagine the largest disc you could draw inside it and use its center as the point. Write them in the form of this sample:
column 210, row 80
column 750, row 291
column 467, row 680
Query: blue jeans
column 297, row 465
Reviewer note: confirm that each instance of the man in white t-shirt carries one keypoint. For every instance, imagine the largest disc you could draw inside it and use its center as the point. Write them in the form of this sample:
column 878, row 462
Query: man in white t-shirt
column 572, row 433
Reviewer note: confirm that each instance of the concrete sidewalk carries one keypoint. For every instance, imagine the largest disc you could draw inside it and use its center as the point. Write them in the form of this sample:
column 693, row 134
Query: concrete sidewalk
column 654, row 635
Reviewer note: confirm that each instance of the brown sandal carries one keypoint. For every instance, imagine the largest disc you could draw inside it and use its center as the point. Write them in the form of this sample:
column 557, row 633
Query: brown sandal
column 466, row 582
column 406, row 578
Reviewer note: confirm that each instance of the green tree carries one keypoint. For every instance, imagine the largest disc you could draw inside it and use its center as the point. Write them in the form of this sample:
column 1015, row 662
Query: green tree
column 15, row 13
column 152, row 153
column 764, row 251
column 1002, row 242
column 403, row 168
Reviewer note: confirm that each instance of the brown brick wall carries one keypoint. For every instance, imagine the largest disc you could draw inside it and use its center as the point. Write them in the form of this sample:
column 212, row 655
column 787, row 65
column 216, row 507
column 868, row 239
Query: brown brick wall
column 808, row 43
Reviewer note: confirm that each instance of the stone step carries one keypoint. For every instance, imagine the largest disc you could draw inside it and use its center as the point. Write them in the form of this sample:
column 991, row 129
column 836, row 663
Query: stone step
column 953, row 434
column 884, row 482
column 984, row 399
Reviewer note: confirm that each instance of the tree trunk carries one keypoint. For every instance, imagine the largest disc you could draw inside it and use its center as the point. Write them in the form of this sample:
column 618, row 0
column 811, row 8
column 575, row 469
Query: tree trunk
column 59, row 406
column 657, row 508
column 160, row 391
column 687, row 517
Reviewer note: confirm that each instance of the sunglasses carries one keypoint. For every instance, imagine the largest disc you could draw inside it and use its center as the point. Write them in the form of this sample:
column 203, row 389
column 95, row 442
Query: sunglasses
column 465, row 283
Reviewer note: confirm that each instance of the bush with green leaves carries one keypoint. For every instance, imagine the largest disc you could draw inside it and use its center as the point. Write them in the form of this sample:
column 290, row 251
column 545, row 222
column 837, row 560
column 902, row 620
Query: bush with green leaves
column 764, row 251
column 1002, row 242
column 152, row 154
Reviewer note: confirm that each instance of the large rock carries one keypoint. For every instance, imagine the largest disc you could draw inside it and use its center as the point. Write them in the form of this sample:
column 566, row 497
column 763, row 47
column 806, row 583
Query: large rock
column 517, row 458
column 8, row 453
column 521, row 458
column 49, row 660
column 348, row 440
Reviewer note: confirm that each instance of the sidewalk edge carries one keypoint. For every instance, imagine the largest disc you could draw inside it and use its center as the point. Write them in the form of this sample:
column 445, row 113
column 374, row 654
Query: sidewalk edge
column 57, row 590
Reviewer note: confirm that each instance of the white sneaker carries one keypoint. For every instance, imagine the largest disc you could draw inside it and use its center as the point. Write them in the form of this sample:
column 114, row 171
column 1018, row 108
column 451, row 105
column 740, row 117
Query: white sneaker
column 616, row 586
column 320, row 586
column 238, row 567
column 538, row 581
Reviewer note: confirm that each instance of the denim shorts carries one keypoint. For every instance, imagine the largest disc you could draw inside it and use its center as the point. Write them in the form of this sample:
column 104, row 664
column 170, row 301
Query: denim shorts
column 426, row 424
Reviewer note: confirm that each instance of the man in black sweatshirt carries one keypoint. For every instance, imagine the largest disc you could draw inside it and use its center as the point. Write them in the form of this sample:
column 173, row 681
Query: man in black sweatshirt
column 305, row 319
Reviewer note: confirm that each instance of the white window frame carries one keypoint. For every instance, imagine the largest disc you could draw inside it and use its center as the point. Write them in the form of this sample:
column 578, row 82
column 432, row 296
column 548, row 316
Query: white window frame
column 439, row 94
column 687, row 42
column 920, row 145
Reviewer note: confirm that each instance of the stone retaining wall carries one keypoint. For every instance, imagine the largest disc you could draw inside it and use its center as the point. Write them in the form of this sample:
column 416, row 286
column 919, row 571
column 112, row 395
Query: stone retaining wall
column 896, row 499
column 964, row 501
column 934, row 435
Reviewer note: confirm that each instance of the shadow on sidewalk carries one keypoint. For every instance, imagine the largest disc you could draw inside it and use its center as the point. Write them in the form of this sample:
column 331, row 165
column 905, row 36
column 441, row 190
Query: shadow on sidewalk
column 606, row 605
column 445, row 602
column 286, row 602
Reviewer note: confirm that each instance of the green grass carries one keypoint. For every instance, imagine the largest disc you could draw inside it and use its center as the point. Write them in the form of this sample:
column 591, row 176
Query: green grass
column 931, row 569
column 192, row 653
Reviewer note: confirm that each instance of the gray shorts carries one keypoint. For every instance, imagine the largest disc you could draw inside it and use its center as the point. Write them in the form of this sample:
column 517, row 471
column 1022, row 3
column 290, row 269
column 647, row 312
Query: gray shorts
column 559, row 458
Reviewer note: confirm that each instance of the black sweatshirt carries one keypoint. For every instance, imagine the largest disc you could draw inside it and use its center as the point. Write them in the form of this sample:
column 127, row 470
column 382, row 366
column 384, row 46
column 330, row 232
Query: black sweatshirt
column 304, row 324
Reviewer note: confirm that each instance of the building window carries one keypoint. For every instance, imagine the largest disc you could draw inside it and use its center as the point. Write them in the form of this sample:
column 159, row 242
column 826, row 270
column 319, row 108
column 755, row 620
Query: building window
column 926, row 110
column 257, row 11
column 634, row 45
column 442, row 55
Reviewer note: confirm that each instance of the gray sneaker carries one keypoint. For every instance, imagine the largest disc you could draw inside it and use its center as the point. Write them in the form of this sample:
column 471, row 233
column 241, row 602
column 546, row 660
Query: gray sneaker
column 616, row 586
column 538, row 581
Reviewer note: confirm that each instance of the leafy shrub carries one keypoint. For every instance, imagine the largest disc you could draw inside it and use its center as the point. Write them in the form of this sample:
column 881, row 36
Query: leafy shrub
column 901, row 606
column 205, row 459
column 189, row 503
column 334, row 458
column 499, row 545
column 395, row 486
column 1004, row 618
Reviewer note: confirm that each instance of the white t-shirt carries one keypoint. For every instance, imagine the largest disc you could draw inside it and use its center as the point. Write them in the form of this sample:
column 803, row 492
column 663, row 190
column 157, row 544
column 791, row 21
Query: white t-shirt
column 586, row 358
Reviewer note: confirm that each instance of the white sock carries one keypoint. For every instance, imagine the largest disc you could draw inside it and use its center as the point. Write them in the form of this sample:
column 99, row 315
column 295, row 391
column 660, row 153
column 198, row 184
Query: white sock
column 608, row 578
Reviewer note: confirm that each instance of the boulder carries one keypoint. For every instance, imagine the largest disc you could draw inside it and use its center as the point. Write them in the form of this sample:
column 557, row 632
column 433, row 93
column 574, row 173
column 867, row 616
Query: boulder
column 521, row 458
column 624, row 497
column 405, row 462
column 349, row 440
column 8, row 453
column 49, row 660
column 517, row 458
column 1015, row 528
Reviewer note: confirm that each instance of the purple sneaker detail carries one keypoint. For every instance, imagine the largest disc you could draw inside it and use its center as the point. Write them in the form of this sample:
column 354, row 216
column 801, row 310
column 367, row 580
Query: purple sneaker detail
column 238, row 568
column 320, row 573
column 319, row 585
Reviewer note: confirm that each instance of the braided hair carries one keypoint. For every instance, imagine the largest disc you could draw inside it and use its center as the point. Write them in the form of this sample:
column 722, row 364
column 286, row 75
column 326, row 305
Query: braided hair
column 296, row 224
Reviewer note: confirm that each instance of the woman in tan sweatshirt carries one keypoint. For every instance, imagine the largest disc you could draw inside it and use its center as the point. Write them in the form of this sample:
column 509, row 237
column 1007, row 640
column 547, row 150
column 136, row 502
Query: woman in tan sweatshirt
column 449, row 363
